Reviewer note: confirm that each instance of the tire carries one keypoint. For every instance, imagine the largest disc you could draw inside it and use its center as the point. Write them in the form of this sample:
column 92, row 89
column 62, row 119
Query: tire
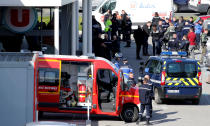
column 196, row 101
column 208, row 11
column 158, row 100
column 175, row 8
column 129, row 114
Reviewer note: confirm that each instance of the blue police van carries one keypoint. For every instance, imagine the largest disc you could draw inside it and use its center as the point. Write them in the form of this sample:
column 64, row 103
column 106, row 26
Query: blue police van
column 174, row 76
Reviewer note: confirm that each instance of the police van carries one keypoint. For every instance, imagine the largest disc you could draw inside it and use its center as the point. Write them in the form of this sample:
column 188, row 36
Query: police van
column 174, row 77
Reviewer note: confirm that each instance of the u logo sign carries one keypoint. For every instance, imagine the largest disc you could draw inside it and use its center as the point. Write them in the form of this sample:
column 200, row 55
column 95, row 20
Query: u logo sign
column 20, row 18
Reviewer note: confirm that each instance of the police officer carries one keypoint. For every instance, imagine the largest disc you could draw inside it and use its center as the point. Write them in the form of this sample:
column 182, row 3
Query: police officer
column 186, row 28
column 173, row 44
column 117, row 60
column 151, row 86
column 126, row 69
column 131, row 82
column 145, row 93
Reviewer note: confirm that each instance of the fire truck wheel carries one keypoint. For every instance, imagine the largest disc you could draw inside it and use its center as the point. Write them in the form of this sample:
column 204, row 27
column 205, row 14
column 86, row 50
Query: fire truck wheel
column 129, row 114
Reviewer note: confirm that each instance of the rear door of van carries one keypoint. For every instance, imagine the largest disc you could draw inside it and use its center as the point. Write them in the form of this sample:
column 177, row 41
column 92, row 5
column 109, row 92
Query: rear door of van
column 182, row 78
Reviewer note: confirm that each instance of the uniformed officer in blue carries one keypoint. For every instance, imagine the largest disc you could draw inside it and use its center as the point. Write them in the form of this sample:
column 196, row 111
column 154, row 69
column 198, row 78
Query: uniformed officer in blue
column 126, row 69
column 151, row 86
column 131, row 81
column 145, row 97
column 117, row 60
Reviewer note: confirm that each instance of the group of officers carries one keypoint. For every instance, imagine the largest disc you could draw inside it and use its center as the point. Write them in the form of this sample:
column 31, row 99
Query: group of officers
column 145, row 88
column 173, row 35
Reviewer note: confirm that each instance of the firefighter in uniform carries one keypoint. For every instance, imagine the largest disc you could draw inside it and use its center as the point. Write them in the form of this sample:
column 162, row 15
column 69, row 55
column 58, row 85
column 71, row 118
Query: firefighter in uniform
column 151, row 86
column 126, row 69
column 145, row 97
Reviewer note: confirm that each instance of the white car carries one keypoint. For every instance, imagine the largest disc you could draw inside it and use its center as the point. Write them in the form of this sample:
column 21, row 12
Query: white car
column 201, row 6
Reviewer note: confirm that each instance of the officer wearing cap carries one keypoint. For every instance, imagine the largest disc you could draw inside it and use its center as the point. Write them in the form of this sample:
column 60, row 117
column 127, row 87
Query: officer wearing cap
column 126, row 69
column 145, row 97
column 117, row 60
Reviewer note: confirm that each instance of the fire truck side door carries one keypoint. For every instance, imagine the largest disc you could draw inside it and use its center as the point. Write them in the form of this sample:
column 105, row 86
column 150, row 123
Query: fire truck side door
column 49, row 83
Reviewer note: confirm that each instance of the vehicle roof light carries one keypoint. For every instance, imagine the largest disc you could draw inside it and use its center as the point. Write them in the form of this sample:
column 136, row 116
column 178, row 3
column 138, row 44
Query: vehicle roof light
column 173, row 54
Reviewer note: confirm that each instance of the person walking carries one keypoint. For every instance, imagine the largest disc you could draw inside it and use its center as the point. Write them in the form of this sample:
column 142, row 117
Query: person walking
column 147, row 31
column 145, row 97
column 139, row 39
column 192, row 38
column 204, row 40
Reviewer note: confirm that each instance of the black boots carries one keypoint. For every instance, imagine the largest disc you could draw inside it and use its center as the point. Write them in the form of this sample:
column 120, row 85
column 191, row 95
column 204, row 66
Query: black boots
column 147, row 122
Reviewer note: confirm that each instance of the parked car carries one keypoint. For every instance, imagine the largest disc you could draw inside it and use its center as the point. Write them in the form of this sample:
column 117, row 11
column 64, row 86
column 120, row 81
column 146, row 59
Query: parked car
column 203, row 17
column 201, row 6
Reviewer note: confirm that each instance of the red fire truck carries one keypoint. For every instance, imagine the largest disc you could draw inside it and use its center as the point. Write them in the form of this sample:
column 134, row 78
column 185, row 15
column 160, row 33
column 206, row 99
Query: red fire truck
column 67, row 82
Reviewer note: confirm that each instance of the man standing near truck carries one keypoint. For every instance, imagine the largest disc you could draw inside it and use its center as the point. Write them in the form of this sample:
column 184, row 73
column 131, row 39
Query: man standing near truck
column 145, row 97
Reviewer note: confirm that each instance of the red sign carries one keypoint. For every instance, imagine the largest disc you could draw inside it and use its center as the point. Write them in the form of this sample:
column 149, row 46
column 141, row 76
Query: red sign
column 20, row 20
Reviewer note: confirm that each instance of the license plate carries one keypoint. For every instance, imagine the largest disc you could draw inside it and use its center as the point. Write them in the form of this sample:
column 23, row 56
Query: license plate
column 172, row 91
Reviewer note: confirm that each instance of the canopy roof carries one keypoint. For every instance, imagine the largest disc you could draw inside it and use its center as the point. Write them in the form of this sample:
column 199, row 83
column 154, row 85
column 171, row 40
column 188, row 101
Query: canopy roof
column 35, row 3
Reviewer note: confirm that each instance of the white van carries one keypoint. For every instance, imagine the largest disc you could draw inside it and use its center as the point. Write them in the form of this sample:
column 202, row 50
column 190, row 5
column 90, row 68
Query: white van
column 140, row 11
column 201, row 6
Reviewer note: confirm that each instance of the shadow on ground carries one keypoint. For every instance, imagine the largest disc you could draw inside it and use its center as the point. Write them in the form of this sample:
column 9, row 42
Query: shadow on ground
column 159, row 118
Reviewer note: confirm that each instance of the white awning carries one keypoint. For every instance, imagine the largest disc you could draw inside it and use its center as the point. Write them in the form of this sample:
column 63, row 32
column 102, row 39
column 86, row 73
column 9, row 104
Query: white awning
column 35, row 3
